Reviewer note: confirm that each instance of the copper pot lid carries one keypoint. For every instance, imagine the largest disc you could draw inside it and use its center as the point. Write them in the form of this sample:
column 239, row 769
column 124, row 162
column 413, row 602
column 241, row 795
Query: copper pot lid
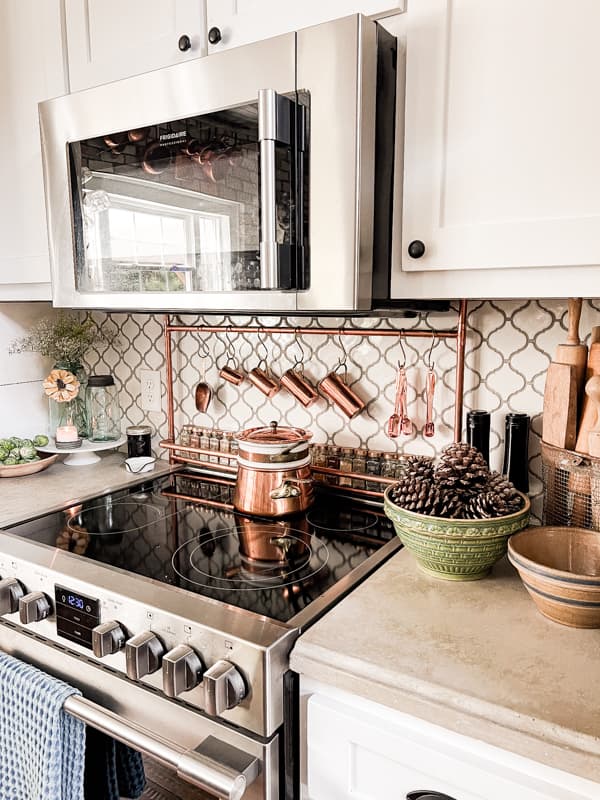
column 273, row 434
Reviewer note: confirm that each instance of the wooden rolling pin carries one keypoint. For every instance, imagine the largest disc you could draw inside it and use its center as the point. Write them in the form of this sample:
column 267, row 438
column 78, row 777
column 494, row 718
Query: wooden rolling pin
column 573, row 351
column 559, row 422
column 592, row 390
column 588, row 415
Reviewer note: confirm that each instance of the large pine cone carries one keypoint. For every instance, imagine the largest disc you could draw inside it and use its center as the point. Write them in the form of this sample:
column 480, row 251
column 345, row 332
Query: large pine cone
column 421, row 467
column 486, row 505
column 411, row 492
column 501, row 486
column 462, row 470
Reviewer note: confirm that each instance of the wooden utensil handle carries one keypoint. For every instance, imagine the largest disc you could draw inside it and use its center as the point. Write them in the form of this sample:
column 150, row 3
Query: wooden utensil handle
column 574, row 306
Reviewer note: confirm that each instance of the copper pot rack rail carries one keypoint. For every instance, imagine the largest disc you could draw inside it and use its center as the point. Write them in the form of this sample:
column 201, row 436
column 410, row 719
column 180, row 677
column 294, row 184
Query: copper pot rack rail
column 458, row 333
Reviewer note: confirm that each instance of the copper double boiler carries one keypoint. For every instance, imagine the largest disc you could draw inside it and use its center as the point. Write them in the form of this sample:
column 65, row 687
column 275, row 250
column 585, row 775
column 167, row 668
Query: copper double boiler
column 274, row 475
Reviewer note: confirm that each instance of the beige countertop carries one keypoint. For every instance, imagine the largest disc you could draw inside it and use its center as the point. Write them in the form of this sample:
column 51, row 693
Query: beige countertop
column 474, row 657
column 60, row 486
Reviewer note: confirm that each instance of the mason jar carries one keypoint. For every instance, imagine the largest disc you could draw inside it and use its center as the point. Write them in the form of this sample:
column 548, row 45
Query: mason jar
column 102, row 409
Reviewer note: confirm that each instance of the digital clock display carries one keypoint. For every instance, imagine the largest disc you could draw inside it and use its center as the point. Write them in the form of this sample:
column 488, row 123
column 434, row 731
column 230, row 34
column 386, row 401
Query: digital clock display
column 67, row 598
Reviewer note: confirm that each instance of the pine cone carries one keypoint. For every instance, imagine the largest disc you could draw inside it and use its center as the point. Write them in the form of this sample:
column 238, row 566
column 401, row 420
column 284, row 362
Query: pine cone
column 411, row 492
column 502, row 486
column 462, row 471
column 417, row 466
column 488, row 505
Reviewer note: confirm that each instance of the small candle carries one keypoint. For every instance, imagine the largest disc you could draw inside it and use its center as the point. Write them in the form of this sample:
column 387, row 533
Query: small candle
column 67, row 433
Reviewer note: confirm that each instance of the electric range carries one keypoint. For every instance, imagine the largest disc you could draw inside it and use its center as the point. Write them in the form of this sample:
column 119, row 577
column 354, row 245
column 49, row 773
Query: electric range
column 170, row 609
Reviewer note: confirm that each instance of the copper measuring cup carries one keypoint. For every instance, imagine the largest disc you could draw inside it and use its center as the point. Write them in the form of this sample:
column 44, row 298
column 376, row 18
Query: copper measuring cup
column 341, row 395
column 261, row 376
column 337, row 390
column 296, row 383
column 229, row 372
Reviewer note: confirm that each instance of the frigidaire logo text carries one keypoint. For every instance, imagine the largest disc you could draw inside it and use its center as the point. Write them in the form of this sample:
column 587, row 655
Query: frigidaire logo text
column 165, row 137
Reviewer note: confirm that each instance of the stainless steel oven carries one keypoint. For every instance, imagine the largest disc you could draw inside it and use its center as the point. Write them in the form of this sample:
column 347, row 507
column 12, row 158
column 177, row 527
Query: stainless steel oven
column 239, row 181
column 175, row 615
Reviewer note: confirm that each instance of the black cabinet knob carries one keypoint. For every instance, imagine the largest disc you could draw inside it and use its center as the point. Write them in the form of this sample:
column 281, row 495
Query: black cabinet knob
column 421, row 794
column 416, row 249
column 214, row 36
column 184, row 43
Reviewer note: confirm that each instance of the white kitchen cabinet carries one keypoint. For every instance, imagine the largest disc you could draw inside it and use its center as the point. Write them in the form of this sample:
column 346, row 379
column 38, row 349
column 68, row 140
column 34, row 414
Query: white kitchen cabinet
column 243, row 21
column 32, row 70
column 501, row 167
column 111, row 39
column 354, row 748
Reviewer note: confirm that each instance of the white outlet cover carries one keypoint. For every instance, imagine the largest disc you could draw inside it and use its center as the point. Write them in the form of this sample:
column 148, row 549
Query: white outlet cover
column 150, row 390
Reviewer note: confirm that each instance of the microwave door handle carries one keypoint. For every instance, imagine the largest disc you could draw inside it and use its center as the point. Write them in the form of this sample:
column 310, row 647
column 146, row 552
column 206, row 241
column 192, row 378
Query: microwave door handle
column 267, row 136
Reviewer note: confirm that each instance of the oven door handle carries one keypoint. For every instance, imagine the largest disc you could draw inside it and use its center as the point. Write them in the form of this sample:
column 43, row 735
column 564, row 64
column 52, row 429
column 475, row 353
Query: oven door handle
column 214, row 766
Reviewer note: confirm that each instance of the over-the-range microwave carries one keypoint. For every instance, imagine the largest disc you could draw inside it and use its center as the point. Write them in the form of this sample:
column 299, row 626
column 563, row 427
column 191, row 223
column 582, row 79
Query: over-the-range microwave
column 241, row 181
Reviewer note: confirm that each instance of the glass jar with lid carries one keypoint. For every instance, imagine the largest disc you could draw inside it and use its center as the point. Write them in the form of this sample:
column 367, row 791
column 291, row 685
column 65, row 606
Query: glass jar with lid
column 359, row 465
column 346, row 465
column 102, row 409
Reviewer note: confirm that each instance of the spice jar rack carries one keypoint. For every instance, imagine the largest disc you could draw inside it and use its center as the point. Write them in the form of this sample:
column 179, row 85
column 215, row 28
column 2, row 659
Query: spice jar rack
column 358, row 471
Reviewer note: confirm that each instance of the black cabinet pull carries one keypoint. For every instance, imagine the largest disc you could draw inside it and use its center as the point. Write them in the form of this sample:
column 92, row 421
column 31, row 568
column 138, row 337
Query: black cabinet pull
column 184, row 43
column 424, row 794
column 416, row 249
column 214, row 36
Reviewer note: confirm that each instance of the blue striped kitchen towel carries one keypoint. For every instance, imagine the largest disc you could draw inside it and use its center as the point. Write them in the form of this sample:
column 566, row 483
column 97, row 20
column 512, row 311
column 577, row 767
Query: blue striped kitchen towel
column 41, row 746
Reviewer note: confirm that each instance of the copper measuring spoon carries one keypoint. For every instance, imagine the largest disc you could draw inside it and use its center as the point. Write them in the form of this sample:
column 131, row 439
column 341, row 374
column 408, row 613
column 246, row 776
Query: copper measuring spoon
column 203, row 393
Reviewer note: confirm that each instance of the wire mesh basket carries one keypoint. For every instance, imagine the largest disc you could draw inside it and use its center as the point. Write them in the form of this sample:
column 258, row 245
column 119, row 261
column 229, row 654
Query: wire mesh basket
column 571, row 488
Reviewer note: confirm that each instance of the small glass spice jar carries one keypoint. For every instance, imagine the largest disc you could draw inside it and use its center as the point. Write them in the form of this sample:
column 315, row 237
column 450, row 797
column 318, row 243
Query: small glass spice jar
column 139, row 440
column 319, row 459
column 333, row 462
column 345, row 465
column 389, row 465
column 373, row 468
column 359, row 464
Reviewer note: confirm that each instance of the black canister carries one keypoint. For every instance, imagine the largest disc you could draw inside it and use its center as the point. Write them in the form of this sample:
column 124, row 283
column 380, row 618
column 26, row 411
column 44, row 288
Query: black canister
column 478, row 432
column 516, row 449
column 139, row 440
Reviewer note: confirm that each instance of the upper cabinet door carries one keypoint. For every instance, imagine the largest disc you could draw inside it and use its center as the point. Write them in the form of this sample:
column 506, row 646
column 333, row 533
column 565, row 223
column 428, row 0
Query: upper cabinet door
column 235, row 22
column 111, row 39
column 32, row 70
column 501, row 165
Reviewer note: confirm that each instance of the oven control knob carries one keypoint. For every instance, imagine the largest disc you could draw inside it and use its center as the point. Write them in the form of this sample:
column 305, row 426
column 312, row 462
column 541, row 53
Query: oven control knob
column 34, row 607
column 107, row 638
column 182, row 670
column 11, row 591
column 224, row 688
column 143, row 654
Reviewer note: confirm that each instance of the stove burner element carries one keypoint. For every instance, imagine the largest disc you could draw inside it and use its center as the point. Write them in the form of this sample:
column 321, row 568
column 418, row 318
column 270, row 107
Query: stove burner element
column 233, row 569
column 110, row 519
column 338, row 521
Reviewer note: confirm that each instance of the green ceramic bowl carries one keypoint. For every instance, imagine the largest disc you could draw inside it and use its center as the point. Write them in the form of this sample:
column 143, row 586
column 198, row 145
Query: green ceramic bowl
column 455, row 549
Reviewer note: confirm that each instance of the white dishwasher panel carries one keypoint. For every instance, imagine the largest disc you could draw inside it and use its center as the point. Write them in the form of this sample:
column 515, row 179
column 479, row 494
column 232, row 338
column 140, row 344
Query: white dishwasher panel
column 362, row 751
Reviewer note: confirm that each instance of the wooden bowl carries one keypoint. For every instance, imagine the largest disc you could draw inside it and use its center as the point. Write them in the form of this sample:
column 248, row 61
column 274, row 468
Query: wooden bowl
column 560, row 568
column 455, row 549
column 19, row 470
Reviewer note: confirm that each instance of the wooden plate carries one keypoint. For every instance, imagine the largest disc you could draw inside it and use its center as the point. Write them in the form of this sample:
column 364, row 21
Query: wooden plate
column 19, row 470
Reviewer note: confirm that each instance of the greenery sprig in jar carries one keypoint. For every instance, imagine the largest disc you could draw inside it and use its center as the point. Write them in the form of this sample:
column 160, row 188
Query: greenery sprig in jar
column 65, row 339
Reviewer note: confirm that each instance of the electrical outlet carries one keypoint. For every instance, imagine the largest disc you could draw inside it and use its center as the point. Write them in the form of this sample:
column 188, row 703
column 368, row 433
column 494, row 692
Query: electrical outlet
column 150, row 390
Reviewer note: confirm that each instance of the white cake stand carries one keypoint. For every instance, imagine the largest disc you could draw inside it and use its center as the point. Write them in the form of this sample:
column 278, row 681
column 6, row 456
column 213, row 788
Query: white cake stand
column 84, row 455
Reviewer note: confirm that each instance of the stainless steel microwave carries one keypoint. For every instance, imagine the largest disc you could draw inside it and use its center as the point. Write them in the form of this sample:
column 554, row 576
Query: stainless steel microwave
column 242, row 181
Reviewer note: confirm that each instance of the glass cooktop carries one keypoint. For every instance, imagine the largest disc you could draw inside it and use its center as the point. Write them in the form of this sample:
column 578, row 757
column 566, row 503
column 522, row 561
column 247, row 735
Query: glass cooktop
column 271, row 567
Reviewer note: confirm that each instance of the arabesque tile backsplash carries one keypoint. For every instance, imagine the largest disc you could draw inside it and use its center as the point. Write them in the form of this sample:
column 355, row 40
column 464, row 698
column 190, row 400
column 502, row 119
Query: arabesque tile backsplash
column 509, row 346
